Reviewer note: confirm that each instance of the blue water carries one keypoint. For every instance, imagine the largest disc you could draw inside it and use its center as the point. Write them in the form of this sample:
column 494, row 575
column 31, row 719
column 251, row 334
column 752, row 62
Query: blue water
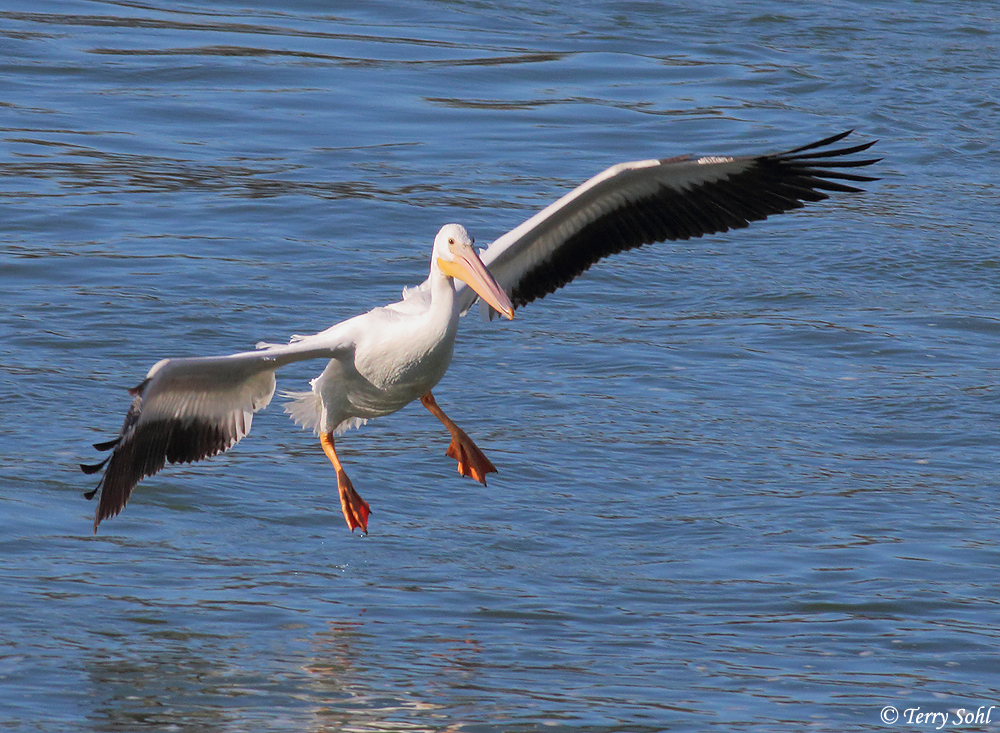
column 746, row 483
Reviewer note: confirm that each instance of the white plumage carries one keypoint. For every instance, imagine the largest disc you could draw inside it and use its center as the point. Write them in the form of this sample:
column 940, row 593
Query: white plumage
column 380, row 361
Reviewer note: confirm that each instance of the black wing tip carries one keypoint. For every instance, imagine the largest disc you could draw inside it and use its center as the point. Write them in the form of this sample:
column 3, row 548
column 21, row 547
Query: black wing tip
column 818, row 169
column 110, row 503
column 107, row 444
column 92, row 468
column 102, row 513
column 144, row 449
column 826, row 142
column 799, row 153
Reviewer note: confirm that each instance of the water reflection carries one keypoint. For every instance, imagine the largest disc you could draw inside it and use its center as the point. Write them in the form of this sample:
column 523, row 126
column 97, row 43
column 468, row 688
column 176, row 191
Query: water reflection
column 340, row 678
column 175, row 689
column 341, row 696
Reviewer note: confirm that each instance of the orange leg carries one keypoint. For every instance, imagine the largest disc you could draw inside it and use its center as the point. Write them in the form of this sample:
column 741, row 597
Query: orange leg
column 355, row 508
column 471, row 461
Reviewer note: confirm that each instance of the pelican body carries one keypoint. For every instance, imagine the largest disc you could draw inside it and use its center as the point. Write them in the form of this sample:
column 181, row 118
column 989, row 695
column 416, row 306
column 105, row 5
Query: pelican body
column 187, row 409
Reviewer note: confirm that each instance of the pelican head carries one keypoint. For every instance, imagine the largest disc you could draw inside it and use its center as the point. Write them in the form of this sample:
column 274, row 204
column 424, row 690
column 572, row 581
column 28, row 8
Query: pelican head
column 454, row 256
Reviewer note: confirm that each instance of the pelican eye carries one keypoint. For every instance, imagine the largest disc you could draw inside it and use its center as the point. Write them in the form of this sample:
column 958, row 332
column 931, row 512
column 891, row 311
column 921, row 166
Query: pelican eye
column 451, row 240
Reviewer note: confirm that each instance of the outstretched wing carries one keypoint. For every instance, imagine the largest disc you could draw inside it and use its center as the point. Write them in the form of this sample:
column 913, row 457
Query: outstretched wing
column 649, row 201
column 189, row 409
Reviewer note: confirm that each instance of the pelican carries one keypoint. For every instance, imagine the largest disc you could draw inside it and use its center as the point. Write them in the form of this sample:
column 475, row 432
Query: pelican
column 188, row 409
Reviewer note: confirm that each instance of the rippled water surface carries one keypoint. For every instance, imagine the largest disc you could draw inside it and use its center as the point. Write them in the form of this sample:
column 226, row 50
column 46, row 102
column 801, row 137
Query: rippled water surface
column 747, row 482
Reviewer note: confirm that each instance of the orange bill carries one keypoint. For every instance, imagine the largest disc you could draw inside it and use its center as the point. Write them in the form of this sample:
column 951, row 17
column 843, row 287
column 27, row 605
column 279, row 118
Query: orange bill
column 468, row 268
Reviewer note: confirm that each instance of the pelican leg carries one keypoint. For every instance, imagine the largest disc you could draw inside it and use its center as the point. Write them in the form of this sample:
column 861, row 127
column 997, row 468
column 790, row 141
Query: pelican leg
column 355, row 508
column 471, row 461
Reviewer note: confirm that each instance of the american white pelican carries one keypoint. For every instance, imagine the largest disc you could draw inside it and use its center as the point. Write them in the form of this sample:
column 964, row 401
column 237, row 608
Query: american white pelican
column 188, row 409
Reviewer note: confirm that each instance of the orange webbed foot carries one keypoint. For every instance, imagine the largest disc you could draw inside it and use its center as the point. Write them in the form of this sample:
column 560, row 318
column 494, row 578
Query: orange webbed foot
column 471, row 461
column 356, row 509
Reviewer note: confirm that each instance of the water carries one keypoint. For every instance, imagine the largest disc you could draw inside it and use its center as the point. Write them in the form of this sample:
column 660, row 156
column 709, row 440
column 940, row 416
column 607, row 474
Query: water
column 747, row 482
